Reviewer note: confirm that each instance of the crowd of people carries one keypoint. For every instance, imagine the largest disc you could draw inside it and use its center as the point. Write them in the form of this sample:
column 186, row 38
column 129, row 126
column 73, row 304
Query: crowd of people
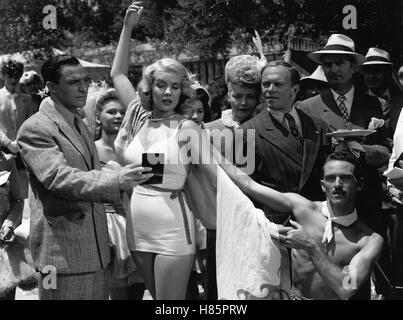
column 278, row 192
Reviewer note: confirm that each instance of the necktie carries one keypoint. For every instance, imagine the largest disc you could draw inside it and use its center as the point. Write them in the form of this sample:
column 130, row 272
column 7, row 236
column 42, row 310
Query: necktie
column 342, row 106
column 82, row 131
column 293, row 127
column 345, row 221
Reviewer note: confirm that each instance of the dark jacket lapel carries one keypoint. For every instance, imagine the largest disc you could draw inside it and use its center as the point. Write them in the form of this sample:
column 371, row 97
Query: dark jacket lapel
column 48, row 108
column 274, row 133
column 311, row 145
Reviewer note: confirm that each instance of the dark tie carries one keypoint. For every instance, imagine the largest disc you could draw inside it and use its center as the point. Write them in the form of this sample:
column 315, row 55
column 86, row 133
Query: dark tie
column 343, row 109
column 293, row 127
column 82, row 131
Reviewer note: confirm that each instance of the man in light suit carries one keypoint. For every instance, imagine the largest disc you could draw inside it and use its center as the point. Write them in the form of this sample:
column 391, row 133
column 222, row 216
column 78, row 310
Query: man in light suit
column 290, row 146
column 68, row 233
column 345, row 106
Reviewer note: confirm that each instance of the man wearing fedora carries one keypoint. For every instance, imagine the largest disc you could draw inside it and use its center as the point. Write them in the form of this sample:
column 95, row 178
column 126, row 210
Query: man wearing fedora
column 378, row 77
column 346, row 106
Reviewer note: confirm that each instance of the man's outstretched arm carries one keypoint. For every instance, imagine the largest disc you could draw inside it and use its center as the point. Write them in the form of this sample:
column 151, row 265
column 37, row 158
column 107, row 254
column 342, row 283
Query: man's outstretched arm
column 280, row 202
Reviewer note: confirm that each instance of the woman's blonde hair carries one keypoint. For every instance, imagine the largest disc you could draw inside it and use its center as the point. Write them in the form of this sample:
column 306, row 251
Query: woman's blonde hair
column 165, row 65
column 104, row 97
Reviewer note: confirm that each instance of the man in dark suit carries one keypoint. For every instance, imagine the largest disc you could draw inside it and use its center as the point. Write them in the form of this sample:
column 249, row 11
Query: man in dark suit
column 288, row 143
column 378, row 77
column 345, row 106
column 68, row 232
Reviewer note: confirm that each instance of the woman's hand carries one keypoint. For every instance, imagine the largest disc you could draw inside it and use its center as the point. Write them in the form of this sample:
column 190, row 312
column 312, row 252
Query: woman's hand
column 133, row 14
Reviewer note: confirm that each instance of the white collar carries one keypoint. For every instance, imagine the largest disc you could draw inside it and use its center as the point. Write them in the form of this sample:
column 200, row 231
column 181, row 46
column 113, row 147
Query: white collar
column 346, row 221
column 228, row 120
column 349, row 95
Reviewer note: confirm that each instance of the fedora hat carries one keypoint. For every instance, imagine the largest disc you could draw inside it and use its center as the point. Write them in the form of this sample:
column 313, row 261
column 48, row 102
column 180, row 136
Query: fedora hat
column 338, row 44
column 317, row 75
column 377, row 56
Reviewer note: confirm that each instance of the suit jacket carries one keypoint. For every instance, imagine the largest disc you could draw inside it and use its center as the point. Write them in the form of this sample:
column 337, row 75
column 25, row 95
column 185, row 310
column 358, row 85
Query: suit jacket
column 281, row 163
column 10, row 123
column 395, row 105
column 364, row 107
column 68, row 221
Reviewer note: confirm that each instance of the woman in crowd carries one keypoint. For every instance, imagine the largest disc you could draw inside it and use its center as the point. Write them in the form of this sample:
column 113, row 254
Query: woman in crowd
column 201, row 112
column 126, row 282
column 160, row 227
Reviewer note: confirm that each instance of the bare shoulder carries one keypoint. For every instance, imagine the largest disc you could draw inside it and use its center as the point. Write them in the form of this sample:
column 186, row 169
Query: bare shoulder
column 370, row 240
column 188, row 130
column 187, row 124
column 302, row 207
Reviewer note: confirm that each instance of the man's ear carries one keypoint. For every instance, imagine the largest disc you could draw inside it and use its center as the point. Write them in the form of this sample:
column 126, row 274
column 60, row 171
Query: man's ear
column 51, row 86
column 295, row 89
column 322, row 185
column 354, row 66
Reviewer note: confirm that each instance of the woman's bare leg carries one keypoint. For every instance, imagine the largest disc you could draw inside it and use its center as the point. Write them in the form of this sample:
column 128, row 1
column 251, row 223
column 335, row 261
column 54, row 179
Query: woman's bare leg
column 171, row 275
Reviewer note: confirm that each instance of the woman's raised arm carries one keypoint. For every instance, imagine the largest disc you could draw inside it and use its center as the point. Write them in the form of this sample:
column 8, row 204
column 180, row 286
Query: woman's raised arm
column 120, row 67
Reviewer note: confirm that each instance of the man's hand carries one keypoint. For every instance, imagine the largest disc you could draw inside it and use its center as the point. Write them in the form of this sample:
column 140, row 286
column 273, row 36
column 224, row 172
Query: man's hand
column 13, row 147
column 133, row 14
column 297, row 238
column 396, row 195
column 132, row 175
column 7, row 234
column 398, row 182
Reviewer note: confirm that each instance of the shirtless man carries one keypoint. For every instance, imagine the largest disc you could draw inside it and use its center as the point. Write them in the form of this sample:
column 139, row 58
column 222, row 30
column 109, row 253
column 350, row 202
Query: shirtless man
column 331, row 258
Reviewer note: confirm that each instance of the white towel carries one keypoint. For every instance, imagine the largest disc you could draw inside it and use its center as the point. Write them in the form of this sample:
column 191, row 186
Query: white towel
column 250, row 263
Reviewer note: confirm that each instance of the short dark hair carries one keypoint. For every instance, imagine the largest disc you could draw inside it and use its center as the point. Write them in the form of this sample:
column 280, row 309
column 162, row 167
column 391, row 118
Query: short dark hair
column 13, row 69
column 203, row 96
column 348, row 157
column 294, row 74
column 51, row 68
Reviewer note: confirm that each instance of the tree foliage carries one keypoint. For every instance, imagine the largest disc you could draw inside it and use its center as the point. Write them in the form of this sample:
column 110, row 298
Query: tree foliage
column 204, row 27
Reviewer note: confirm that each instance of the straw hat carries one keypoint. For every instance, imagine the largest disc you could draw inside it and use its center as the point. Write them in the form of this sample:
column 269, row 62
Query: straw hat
column 317, row 75
column 377, row 56
column 338, row 44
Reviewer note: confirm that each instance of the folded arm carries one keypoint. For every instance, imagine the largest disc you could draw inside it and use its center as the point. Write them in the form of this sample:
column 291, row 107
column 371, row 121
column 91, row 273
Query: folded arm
column 343, row 280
